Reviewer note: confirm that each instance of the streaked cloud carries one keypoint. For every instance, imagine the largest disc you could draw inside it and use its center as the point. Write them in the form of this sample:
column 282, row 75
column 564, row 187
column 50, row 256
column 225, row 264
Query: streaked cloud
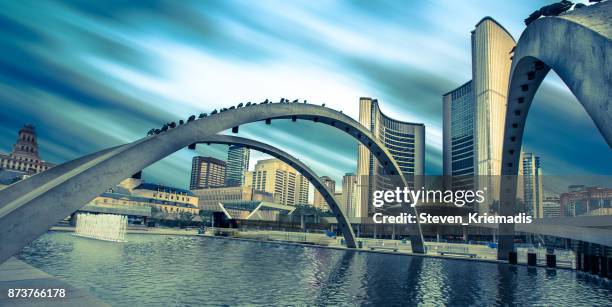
column 92, row 74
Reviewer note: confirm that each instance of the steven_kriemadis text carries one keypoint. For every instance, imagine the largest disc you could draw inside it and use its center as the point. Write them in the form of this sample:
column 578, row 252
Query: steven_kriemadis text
column 472, row 218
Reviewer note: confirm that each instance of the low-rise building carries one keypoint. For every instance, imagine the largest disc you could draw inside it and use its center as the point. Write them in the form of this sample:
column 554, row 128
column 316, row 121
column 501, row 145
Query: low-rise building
column 139, row 198
column 166, row 194
column 580, row 200
column 210, row 198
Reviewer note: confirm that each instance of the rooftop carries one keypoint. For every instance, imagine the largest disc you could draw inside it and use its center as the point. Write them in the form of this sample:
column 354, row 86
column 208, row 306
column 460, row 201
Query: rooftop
column 162, row 188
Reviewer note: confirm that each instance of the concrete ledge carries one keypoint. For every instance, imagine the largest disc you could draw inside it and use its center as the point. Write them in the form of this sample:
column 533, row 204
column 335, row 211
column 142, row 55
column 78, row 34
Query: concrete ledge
column 16, row 274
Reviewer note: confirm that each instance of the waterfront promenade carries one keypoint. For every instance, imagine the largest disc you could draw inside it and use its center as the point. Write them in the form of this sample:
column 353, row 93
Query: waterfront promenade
column 461, row 251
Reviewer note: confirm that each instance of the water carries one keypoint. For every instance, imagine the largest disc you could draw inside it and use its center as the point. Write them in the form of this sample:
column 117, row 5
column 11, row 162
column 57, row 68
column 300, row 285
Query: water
column 156, row 270
column 107, row 227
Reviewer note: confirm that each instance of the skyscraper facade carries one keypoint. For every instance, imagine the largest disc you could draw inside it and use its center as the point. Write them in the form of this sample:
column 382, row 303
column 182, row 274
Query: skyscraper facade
column 532, row 185
column 237, row 164
column 318, row 201
column 207, row 172
column 349, row 185
column 458, row 137
column 474, row 114
column 491, row 62
column 283, row 181
column 406, row 143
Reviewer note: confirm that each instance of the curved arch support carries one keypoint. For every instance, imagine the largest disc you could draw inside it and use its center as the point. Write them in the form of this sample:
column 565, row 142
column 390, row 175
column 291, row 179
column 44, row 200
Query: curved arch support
column 343, row 222
column 578, row 47
column 25, row 218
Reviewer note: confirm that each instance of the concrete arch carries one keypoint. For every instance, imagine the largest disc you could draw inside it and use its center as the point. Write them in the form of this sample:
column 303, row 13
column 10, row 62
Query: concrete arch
column 26, row 217
column 347, row 230
column 578, row 47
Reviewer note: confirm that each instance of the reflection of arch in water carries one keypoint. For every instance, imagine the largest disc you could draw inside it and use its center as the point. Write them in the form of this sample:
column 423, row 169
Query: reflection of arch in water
column 315, row 180
column 25, row 217
column 337, row 281
column 578, row 47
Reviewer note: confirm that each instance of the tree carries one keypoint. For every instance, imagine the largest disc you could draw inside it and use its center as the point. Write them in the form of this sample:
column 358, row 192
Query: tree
column 184, row 218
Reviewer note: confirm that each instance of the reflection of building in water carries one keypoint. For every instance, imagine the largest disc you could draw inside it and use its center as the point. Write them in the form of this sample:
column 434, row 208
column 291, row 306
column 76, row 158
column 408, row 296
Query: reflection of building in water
column 582, row 200
column 24, row 157
column 406, row 143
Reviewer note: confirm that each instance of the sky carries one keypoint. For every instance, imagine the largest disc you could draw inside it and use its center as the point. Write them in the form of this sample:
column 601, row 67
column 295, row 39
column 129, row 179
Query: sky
column 95, row 74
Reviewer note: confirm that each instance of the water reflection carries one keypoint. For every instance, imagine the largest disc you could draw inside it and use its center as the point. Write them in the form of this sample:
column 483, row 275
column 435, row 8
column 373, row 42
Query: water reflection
column 185, row 271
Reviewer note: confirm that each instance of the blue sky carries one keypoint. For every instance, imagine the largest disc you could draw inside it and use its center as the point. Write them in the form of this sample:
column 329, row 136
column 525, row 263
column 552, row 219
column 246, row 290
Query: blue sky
column 93, row 74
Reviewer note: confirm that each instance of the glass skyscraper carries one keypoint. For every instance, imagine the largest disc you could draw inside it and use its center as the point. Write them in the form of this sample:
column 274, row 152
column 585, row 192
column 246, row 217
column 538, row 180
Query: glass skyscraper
column 532, row 185
column 406, row 143
column 479, row 106
column 237, row 164
column 458, row 143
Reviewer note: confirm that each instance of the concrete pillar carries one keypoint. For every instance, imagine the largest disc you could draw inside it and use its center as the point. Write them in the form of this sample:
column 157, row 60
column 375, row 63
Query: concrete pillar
column 505, row 246
column 567, row 243
column 465, row 234
column 532, row 259
column 586, row 257
column 512, row 258
column 302, row 222
column 595, row 258
column 551, row 260
column 438, row 234
column 579, row 260
column 73, row 219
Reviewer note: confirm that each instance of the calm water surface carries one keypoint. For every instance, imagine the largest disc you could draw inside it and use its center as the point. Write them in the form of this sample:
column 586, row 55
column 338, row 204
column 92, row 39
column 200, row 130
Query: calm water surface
column 155, row 270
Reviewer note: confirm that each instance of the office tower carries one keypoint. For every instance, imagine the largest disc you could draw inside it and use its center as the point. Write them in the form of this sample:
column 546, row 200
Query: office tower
column 340, row 199
column 458, row 137
column 551, row 207
column 318, row 201
column 491, row 47
column 280, row 179
column 237, row 164
column 406, row 143
column 207, row 172
column 349, row 184
column 24, row 157
column 532, row 185
column 481, row 101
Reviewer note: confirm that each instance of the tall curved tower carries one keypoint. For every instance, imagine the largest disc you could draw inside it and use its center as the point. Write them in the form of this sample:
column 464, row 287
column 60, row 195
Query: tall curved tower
column 491, row 62
column 406, row 143
column 474, row 115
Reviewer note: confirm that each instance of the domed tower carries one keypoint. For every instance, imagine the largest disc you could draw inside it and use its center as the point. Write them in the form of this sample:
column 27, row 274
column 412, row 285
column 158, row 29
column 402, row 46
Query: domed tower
column 26, row 147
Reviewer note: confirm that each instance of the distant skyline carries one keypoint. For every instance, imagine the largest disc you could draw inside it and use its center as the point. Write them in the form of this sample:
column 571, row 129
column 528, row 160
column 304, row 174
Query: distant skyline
column 91, row 75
